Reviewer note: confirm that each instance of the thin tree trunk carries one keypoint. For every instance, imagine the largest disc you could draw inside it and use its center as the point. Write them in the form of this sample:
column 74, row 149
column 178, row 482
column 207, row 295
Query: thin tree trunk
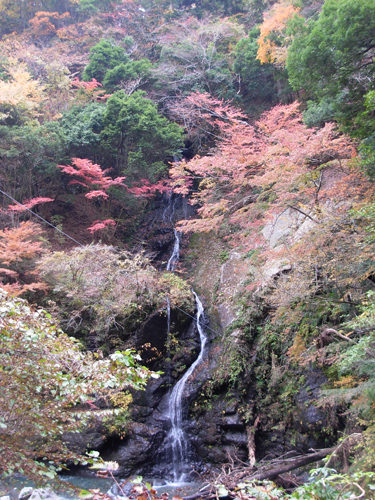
column 250, row 432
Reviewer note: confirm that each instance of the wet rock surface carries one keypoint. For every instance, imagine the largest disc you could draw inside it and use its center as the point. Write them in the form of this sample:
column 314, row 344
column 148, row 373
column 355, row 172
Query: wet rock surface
column 93, row 437
column 141, row 452
column 215, row 429
column 156, row 234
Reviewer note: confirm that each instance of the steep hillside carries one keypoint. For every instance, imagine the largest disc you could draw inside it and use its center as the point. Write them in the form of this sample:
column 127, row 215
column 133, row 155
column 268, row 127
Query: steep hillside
column 157, row 158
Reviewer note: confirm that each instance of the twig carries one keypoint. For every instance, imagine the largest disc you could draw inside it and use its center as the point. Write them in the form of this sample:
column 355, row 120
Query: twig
column 304, row 213
column 355, row 435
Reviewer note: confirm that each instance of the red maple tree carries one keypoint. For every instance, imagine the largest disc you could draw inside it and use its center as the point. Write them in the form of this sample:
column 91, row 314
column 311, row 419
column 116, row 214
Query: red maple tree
column 28, row 204
column 278, row 161
column 90, row 176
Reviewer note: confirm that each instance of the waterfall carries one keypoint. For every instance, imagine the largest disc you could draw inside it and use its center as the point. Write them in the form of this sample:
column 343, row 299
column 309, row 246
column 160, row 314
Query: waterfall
column 176, row 441
column 169, row 339
column 176, row 437
column 173, row 259
column 172, row 262
column 168, row 207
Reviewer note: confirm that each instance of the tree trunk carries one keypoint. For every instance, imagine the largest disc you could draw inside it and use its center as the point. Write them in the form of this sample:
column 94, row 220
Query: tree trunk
column 299, row 462
column 250, row 432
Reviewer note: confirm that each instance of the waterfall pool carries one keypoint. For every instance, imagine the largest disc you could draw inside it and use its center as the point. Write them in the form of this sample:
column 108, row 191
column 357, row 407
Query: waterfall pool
column 88, row 481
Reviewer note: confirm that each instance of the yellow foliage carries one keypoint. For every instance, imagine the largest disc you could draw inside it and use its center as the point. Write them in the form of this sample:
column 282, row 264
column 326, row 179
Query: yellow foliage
column 346, row 382
column 274, row 23
column 21, row 91
column 297, row 348
column 121, row 400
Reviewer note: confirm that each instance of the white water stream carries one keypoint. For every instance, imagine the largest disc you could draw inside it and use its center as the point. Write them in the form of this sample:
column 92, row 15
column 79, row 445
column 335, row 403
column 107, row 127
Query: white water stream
column 172, row 262
column 176, row 438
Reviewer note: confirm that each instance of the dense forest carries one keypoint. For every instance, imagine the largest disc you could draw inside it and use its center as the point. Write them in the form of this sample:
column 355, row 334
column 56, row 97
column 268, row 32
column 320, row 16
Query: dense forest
column 152, row 152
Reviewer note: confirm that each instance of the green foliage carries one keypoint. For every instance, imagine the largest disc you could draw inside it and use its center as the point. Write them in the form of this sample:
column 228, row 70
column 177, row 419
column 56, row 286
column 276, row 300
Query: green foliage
column 260, row 490
column 104, row 56
column 82, row 126
column 178, row 290
column 324, row 484
column 224, row 256
column 86, row 8
column 365, row 128
column 28, row 155
column 138, row 137
column 358, row 362
column 44, row 378
column 327, row 484
column 257, row 80
column 132, row 72
column 318, row 113
column 332, row 58
column 117, row 422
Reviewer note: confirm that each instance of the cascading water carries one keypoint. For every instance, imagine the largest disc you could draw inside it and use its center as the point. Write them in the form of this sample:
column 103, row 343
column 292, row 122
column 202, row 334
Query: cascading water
column 172, row 262
column 169, row 339
column 168, row 208
column 176, row 440
column 176, row 437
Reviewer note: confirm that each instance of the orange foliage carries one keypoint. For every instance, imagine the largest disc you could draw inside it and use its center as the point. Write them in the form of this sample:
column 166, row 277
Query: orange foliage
column 204, row 117
column 279, row 160
column 145, row 189
column 89, row 86
column 91, row 176
column 47, row 23
column 100, row 225
column 19, row 246
column 274, row 24
column 90, row 89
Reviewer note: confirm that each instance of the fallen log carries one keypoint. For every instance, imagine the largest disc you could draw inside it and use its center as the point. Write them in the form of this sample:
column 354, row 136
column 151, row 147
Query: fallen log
column 275, row 471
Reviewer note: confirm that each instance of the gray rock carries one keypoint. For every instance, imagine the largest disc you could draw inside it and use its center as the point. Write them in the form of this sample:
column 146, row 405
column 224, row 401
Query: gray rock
column 122, row 490
column 42, row 494
column 232, row 422
column 92, row 437
column 25, row 492
column 236, row 438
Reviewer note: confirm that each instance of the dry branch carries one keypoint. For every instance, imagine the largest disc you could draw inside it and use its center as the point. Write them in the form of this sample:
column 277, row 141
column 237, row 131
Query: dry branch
column 299, row 462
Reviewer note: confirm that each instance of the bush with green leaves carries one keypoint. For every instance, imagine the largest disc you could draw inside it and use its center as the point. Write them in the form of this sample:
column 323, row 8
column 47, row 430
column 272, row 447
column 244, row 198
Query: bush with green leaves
column 45, row 378
column 82, row 126
column 29, row 155
column 327, row 484
column 134, row 71
column 104, row 56
column 332, row 59
column 139, row 140
column 257, row 80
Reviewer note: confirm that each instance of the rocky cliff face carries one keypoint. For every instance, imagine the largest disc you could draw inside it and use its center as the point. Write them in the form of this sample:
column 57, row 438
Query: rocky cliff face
column 224, row 403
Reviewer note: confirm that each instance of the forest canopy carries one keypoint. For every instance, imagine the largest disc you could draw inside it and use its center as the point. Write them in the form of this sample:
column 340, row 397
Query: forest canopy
column 257, row 117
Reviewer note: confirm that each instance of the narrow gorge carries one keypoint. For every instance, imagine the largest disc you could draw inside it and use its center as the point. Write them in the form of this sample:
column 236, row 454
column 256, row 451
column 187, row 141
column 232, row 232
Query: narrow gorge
column 187, row 248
